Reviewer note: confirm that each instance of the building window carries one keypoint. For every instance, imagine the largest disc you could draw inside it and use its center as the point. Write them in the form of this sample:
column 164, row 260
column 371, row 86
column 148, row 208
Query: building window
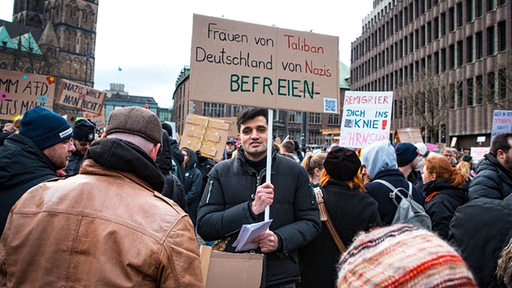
column 479, row 45
column 442, row 24
column 460, row 53
column 490, row 5
column 460, row 20
column 502, row 36
column 469, row 49
column 460, row 94
column 314, row 118
column 451, row 56
column 334, row 119
column 478, row 8
column 469, row 11
column 491, row 86
column 479, row 90
column 502, row 83
column 469, row 87
column 451, row 19
column 213, row 109
column 490, row 41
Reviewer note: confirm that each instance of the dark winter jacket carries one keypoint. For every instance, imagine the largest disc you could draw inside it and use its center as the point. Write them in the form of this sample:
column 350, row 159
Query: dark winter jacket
column 379, row 192
column 492, row 180
column 480, row 230
column 73, row 167
column 226, row 203
column 22, row 166
column 351, row 212
column 193, row 183
column 173, row 188
column 441, row 202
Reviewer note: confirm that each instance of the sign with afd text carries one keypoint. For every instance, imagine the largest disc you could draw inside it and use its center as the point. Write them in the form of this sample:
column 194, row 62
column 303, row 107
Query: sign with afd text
column 366, row 118
column 247, row 64
column 20, row 92
column 81, row 97
column 501, row 122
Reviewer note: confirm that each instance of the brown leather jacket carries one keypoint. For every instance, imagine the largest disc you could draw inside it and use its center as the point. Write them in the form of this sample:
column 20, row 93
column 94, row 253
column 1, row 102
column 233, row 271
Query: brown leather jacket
column 101, row 228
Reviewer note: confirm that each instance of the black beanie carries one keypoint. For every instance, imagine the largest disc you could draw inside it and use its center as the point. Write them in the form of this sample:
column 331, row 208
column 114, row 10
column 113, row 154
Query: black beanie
column 44, row 127
column 342, row 164
column 84, row 130
column 406, row 153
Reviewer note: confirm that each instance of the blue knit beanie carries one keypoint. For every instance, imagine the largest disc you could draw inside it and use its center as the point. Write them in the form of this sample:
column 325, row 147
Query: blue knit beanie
column 45, row 127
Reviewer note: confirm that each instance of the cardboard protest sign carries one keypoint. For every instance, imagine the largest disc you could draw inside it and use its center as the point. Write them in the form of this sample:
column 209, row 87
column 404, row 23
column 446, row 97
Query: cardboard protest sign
column 99, row 120
column 20, row 92
column 501, row 122
column 410, row 135
column 208, row 135
column 254, row 65
column 366, row 118
column 81, row 97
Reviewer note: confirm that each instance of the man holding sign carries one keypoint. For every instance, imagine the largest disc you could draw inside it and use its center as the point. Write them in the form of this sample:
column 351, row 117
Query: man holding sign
column 236, row 195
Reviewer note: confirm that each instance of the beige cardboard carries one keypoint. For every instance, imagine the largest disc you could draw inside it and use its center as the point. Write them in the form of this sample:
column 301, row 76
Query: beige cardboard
column 410, row 135
column 99, row 120
column 248, row 64
column 81, row 97
column 230, row 270
column 208, row 135
column 20, row 92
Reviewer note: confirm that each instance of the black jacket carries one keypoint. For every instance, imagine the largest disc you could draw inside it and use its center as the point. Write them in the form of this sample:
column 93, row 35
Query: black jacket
column 193, row 185
column 380, row 193
column 480, row 229
column 226, row 203
column 351, row 212
column 73, row 167
column 22, row 166
column 441, row 202
column 492, row 180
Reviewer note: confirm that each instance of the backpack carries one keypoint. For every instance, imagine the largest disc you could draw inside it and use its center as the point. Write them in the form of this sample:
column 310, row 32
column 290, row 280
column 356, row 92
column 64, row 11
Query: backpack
column 408, row 211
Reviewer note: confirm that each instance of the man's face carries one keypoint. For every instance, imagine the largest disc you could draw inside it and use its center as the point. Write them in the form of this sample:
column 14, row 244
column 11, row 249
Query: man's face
column 81, row 146
column 253, row 135
column 506, row 158
column 59, row 153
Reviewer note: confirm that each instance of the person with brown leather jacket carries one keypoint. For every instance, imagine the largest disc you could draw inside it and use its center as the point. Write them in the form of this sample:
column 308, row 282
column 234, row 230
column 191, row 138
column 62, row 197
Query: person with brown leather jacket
column 107, row 226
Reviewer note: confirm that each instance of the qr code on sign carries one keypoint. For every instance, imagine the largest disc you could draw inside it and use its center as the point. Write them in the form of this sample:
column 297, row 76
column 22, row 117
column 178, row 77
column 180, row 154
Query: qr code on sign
column 330, row 105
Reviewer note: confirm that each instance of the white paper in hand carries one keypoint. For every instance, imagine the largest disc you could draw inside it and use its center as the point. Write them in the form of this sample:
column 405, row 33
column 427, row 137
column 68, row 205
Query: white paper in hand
column 248, row 233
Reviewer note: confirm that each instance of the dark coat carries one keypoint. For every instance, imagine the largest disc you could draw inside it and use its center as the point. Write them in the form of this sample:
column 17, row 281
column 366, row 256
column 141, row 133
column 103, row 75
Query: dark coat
column 22, row 166
column 441, row 202
column 480, row 229
column 226, row 203
column 492, row 180
column 73, row 167
column 380, row 193
column 193, row 184
column 351, row 212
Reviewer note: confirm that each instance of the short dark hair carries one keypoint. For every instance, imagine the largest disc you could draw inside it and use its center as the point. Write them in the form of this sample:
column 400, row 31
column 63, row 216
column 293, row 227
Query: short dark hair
column 500, row 142
column 288, row 146
column 250, row 114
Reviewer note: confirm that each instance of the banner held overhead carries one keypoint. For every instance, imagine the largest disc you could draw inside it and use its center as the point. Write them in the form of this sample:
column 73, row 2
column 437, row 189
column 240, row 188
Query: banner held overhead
column 240, row 63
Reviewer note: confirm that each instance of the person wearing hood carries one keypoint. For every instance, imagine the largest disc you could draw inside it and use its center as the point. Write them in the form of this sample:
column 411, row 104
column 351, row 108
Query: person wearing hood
column 108, row 226
column 380, row 161
column 42, row 146
column 193, row 182
column 445, row 189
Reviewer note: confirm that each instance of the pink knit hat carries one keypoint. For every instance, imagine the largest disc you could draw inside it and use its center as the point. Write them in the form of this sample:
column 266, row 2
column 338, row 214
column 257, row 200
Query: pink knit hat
column 402, row 256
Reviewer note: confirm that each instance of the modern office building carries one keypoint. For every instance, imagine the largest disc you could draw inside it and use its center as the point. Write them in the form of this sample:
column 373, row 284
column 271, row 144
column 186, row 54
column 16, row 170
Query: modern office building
column 447, row 62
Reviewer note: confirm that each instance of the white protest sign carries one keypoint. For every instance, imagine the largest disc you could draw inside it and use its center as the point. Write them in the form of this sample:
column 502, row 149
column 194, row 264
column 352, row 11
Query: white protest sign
column 501, row 122
column 366, row 118
column 478, row 152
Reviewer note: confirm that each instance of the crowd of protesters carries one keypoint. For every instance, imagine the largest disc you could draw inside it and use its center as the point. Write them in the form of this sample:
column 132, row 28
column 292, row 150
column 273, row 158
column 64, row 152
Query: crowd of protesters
column 131, row 207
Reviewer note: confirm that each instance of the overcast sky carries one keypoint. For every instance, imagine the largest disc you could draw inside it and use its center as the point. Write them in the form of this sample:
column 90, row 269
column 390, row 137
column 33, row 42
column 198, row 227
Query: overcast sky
column 150, row 40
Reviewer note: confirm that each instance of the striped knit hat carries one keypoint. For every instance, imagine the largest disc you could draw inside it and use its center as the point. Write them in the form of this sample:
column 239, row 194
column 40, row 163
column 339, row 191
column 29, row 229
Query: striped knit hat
column 402, row 256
